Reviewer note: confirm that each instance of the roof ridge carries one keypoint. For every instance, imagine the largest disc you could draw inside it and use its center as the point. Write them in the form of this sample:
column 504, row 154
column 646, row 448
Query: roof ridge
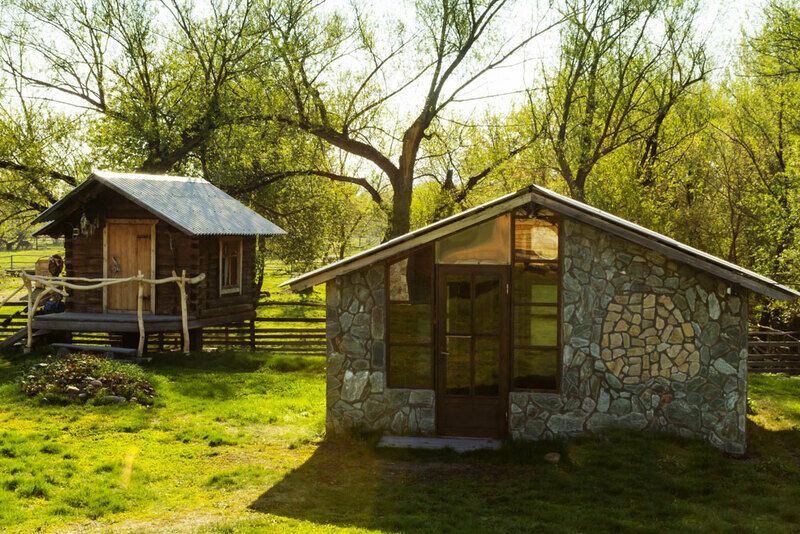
column 107, row 174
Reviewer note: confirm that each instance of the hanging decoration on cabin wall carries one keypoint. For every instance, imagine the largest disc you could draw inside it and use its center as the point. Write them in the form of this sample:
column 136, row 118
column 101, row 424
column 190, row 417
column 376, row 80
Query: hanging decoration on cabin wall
column 55, row 265
column 87, row 226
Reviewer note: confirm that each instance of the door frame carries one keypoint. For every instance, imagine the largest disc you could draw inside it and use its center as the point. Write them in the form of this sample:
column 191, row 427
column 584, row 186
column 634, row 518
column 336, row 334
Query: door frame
column 503, row 271
column 152, row 223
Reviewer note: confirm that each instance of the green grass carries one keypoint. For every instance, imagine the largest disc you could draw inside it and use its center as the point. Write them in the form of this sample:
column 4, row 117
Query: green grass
column 234, row 443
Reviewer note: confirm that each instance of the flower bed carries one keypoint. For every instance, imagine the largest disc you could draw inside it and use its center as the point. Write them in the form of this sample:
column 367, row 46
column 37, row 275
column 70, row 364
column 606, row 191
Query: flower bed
column 79, row 378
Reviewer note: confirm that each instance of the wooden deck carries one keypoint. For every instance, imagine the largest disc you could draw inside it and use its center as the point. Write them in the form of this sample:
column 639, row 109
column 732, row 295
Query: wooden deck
column 127, row 322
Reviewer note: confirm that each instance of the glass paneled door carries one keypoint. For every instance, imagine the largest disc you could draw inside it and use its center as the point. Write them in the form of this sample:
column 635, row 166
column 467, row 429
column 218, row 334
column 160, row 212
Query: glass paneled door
column 472, row 370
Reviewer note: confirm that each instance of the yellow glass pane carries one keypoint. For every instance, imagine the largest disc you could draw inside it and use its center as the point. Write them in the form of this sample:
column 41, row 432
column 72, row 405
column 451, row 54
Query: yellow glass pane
column 410, row 323
column 486, row 243
column 410, row 366
column 411, row 278
column 536, row 325
column 535, row 239
column 458, row 304
column 457, row 364
column 535, row 369
column 487, row 304
column 487, row 366
column 536, row 283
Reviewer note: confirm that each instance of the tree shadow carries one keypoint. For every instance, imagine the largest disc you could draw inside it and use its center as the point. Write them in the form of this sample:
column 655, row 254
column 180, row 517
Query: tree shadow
column 622, row 482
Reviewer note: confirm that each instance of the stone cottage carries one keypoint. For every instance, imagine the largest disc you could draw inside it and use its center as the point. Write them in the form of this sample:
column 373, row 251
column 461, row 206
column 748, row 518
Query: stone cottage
column 539, row 317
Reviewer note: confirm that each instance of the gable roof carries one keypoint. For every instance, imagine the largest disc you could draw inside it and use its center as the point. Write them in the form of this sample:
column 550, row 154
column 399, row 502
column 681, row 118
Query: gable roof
column 568, row 207
column 192, row 205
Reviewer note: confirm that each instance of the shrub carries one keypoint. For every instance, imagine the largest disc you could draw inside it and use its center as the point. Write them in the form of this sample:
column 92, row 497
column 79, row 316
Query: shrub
column 82, row 377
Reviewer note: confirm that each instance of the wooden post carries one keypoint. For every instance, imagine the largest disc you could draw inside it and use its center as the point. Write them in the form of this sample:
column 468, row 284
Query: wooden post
column 139, row 317
column 253, row 334
column 32, row 311
column 28, row 287
column 184, row 318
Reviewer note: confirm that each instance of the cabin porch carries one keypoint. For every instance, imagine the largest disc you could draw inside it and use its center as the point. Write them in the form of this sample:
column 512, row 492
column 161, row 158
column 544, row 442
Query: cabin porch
column 128, row 322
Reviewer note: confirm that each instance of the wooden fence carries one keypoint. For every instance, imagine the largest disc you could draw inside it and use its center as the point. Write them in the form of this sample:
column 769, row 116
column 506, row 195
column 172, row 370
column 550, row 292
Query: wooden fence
column 774, row 351
column 289, row 334
column 13, row 262
column 770, row 351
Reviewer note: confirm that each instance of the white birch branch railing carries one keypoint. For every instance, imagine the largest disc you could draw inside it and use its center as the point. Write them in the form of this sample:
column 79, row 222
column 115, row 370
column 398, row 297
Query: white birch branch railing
column 60, row 284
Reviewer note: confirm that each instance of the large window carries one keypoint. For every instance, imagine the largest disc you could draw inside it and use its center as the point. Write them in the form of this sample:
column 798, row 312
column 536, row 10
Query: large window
column 535, row 301
column 230, row 265
column 410, row 325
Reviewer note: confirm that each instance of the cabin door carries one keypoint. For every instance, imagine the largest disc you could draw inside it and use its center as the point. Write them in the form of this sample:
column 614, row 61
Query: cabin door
column 129, row 249
column 472, row 354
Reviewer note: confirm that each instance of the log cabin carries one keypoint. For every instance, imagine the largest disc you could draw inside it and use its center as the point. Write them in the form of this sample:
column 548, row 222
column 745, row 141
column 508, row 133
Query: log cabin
column 117, row 225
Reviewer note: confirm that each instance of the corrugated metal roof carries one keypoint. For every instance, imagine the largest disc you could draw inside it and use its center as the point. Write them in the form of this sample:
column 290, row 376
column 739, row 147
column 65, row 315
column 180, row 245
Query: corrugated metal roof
column 554, row 201
column 193, row 205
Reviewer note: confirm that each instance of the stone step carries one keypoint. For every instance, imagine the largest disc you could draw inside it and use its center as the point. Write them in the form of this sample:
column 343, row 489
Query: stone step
column 456, row 444
column 64, row 348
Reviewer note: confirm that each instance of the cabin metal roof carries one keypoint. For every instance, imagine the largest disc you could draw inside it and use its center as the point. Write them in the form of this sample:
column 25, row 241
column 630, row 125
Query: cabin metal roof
column 565, row 206
column 192, row 205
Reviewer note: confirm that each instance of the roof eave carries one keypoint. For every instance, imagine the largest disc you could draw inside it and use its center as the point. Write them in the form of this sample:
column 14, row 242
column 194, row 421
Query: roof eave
column 47, row 215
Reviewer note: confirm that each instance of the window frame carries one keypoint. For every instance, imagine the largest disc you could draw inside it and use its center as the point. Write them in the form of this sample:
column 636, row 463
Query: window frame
column 557, row 219
column 237, row 289
column 386, row 327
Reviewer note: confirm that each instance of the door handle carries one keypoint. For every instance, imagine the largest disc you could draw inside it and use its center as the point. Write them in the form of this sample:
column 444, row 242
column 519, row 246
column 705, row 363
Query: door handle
column 445, row 353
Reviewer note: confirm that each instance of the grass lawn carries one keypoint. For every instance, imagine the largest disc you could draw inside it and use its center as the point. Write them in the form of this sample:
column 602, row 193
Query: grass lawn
column 235, row 443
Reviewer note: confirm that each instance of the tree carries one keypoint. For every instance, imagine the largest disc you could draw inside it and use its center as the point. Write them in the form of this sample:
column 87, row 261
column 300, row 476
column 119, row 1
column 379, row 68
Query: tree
column 39, row 156
column 623, row 67
column 161, row 79
column 339, row 79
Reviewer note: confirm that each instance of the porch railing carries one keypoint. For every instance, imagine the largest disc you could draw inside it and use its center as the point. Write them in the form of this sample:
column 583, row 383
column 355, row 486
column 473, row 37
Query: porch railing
column 60, row 284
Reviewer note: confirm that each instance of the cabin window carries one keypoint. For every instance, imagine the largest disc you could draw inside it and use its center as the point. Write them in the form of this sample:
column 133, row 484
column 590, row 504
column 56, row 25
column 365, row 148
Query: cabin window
column 486, row 243
column 535, row 320
column 410, row 320
column 230, row 266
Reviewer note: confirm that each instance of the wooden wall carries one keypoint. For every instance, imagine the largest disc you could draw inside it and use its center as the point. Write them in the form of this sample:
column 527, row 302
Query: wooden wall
column 216, row 304
column 175, row 251
column 83, row 256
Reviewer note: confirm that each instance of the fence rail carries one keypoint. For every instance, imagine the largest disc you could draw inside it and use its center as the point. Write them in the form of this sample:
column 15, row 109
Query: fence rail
column 303, row 335
column 774, row 351
column 13, row 262
column 770, row 351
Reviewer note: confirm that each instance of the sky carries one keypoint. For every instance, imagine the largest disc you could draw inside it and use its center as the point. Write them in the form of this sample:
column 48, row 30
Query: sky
column 720, row 23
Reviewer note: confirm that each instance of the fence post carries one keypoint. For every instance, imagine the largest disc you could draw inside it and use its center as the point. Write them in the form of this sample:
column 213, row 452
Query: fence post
column 139, row 318
column 252, row 334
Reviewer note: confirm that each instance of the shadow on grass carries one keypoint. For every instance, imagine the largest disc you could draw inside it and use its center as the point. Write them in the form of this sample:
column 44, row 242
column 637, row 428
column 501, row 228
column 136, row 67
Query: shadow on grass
column 622, row 482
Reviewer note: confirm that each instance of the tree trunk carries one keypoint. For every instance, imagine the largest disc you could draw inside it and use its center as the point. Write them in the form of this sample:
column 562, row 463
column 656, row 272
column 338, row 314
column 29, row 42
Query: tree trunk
column 400, row 220
column 403, row 182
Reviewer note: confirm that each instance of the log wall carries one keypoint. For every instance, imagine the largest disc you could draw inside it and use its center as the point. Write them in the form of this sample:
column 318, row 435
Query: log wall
column 175, row 251
column 214, row 303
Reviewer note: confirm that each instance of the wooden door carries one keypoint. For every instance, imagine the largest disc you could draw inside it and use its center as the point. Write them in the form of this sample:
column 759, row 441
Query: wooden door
column 472, row 351
column 129, row 250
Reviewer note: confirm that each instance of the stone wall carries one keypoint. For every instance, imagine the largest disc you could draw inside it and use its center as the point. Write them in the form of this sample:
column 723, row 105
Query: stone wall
column 647, row 344
column 357, row 396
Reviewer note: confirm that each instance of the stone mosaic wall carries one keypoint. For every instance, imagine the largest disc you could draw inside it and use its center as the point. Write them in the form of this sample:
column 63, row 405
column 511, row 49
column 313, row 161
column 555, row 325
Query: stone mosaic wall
column 357, row 396
column 647, row 344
